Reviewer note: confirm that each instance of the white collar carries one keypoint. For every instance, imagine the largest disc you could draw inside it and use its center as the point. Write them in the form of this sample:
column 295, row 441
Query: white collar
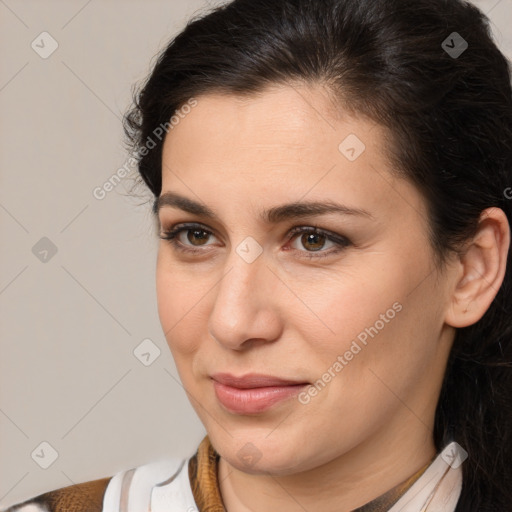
column 438, row 488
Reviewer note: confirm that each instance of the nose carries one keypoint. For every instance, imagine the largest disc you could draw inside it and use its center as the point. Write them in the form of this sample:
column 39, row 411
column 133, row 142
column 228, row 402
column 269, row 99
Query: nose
column 246, row 310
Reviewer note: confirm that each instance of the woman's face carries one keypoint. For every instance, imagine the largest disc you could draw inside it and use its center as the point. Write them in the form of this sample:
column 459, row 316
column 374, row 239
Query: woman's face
column 356, row 310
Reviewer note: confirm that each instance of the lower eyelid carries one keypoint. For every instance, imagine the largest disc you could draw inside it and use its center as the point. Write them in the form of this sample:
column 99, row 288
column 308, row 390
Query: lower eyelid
column 340, row 242
column 297, row 236
column 189, row 247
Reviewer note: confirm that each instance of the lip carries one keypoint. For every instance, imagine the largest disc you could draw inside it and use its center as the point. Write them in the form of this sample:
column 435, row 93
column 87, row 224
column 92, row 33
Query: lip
column 254, row 380
column 253, row 393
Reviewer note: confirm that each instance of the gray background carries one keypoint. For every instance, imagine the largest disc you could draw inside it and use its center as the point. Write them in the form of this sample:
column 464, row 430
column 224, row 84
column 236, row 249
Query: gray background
column 69, row 325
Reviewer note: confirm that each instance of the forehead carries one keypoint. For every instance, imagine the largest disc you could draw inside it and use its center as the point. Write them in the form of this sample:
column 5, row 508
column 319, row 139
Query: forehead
column 290, row 104
column 283, row 126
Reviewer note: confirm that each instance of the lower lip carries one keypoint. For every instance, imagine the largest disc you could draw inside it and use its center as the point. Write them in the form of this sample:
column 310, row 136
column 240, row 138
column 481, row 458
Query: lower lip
column 254, row 400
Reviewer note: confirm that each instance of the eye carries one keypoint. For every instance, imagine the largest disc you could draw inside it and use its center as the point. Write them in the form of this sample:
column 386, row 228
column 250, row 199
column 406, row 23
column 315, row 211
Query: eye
column 195, row 234
column 315, row 239
column 312, row 238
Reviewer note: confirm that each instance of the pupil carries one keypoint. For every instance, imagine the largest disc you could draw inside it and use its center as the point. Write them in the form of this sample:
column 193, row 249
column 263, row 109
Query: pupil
column 194, row 233
column 310, row 237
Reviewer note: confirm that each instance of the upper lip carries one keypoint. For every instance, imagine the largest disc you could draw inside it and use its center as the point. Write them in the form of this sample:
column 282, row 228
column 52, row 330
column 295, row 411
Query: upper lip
column 253, row 380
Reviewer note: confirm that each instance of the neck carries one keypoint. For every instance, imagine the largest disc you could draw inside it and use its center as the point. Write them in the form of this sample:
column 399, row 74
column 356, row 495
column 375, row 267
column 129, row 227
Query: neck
column 345, row 483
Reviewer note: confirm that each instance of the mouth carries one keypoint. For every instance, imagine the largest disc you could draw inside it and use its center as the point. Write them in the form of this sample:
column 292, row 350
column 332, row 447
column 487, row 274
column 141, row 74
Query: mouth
column 253, row 393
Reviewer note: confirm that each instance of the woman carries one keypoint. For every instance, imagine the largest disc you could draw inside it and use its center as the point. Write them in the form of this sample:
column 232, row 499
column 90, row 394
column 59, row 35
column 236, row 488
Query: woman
column 332, row 190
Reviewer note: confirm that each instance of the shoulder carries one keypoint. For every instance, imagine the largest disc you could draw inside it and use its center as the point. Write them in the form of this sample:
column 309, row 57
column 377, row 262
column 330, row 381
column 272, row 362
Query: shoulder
column 84, row 497
column 111, row 494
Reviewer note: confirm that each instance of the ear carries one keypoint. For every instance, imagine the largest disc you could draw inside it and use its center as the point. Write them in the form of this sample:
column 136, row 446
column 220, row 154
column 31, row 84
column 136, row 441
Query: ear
column 480, row 270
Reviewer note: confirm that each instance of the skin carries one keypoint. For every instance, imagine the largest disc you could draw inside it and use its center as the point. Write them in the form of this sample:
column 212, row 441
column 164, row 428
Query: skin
column 371, row 427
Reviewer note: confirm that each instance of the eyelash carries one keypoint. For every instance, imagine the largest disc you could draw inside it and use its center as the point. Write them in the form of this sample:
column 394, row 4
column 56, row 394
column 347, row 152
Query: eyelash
column 341, row 242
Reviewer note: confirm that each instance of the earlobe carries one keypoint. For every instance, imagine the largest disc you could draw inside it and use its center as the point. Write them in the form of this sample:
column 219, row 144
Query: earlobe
column 481, row 269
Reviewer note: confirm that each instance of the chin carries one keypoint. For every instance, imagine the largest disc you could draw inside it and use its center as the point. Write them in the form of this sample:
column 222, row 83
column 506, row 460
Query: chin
column 258, row 453
column 277, row 466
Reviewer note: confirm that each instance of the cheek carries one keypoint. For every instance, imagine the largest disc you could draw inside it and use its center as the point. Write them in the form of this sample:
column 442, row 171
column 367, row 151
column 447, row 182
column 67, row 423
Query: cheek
column 345, row 304
column 386, row 349
column 180, row 310
column 371, row 318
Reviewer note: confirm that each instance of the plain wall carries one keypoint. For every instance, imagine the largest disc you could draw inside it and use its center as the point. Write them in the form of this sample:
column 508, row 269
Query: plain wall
column 70, row 324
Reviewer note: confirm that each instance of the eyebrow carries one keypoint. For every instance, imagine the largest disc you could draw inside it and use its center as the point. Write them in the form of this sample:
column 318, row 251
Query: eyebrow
column 271, row 216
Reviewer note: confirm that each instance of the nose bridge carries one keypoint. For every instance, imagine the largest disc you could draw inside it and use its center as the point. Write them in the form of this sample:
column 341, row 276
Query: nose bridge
column 241, row 307
column 239, row 288
column 247, row 265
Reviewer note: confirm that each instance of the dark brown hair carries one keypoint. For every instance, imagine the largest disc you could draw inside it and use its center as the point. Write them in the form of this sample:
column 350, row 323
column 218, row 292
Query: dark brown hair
column 450, row 120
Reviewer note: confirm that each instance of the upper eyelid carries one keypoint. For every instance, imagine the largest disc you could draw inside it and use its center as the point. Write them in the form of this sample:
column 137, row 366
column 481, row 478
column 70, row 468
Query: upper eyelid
column 340, row 242
column 333, row 237
column 193, row 225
